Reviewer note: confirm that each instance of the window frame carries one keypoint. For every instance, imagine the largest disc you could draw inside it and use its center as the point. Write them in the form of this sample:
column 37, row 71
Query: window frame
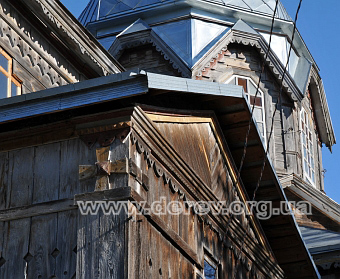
column 249, row 79
column 307, row 145
column 10, row 76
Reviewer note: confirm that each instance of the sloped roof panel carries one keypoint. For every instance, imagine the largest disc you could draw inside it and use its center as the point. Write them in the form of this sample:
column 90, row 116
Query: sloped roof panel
column 100, row 9
column 320, row 241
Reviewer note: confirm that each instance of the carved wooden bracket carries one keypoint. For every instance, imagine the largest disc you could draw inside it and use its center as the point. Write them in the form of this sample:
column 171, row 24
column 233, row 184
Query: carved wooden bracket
column 104, row 135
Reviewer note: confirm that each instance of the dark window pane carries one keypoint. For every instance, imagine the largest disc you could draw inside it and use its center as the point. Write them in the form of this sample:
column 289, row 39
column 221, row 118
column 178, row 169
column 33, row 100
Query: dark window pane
column 209, row 271
column 257, row 101
column 3, row 62
column 243, row 82
column 3, row 86
column 14, row 89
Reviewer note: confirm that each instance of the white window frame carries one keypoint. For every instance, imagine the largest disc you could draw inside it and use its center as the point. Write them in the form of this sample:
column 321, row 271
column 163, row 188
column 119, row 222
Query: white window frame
column 259, row 94
column 307, row 147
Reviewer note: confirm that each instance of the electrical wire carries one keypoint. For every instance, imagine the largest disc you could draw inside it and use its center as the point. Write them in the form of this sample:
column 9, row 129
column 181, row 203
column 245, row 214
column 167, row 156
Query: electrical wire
column 272, row 124
column 250, row 121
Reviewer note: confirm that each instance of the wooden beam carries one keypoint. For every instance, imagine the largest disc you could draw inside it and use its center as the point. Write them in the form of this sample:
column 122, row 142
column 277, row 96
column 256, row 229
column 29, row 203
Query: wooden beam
column 123, row 193
column 37, row 209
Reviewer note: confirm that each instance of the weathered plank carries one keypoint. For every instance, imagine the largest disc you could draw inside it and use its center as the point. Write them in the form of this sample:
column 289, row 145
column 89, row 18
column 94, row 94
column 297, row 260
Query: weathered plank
column 46, row 173
column 16, row 242
column 72, row 154
column 67, row 244
column 88, row 247
column 119, row 152
column 43, row 247
column 111, row 248
column 21, row 176
column 4, row 180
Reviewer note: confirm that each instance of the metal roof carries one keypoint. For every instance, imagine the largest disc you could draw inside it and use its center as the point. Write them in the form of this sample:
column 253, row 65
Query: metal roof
column 101, row 9
column 320, row 241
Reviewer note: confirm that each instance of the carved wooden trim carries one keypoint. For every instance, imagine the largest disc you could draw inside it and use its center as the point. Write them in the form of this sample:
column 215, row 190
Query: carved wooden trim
column 149, row 37
column 29, row 48
column 60, row 23
column 104, row 135
column 261, row 45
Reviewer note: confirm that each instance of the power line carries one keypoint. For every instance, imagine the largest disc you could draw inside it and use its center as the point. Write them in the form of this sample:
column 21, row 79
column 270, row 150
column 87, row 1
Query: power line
column 250, row 121
column 272, row 126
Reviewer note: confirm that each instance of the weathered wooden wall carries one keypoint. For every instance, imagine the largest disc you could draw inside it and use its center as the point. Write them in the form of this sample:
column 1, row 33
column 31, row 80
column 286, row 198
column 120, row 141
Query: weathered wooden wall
column 147, row 58
column 39, row 234
column 44, row 236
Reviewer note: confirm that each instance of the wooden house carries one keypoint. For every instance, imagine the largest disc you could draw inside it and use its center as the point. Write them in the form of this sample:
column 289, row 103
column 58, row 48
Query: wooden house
column 110, row 151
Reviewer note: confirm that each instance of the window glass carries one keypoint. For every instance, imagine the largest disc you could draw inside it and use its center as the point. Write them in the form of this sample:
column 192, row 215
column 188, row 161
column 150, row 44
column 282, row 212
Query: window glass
column 3, row 86
column 307, row 147
column 10, row 86
column 210, row 271
column 14, row 89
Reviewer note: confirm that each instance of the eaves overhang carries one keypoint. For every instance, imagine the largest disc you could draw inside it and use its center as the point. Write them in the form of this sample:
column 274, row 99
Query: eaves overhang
column 233, row 113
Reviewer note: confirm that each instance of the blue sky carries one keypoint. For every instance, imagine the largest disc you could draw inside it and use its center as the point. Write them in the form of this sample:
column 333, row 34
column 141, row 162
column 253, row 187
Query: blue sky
column 318, row 25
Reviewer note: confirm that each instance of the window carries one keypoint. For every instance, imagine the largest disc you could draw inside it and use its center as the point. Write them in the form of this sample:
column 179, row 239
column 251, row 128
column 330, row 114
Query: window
column 249, row 88
column 210, row 270
column 9, row 85
column 307, row 147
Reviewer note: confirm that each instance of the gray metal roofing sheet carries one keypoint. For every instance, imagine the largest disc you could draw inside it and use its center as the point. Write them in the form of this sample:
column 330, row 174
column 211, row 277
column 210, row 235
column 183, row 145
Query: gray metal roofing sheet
column 320, row 241
column 100, row 9
column 104, row 89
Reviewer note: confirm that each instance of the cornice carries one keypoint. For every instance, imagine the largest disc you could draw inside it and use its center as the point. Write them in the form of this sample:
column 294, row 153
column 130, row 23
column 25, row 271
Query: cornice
column 321, row 109
column 66, row 26
column 318, row 199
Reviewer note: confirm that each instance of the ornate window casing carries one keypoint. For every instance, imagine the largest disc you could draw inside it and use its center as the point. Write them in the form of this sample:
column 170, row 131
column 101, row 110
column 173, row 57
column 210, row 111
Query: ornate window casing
column 307, row 144
column 249, row 88
column 9, row 84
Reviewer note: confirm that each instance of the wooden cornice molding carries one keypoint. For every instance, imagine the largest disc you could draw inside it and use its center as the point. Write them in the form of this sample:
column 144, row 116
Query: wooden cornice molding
column 73, row 34
column 321, row 110
column 318, row 199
